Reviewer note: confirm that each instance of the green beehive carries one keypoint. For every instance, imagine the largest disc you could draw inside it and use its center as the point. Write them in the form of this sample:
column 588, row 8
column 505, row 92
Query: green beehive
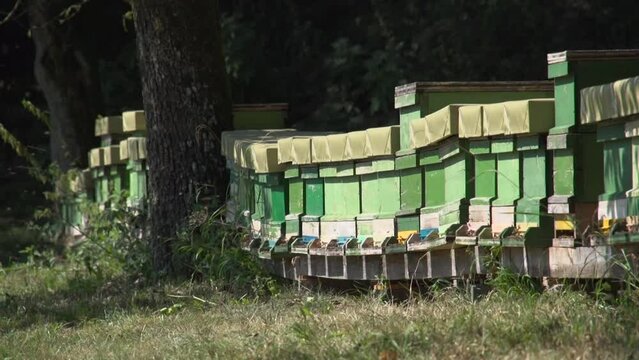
column 612, row 108
column 133, row 151
column 110, row 130
column 447, row 180
column 118, row 179
column 471, row 125
column 261, row 189
column 380, row 191
column 419, row 99
column 109, row 171
column 576, row 153
column 259, row 116
column 529, row 121
column 305, row 187
column 74, row 189
column 100, row 179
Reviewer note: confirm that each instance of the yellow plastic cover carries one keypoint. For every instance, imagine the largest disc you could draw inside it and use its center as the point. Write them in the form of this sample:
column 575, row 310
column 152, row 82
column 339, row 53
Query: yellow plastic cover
column 597, row 104
column 493, row 115
column 382, row 141
column 96, row 157
column 418, row 138
column 262, row 157
column 254, row 149
column 320, row 149
column 142, row 148
column 442, row 123
column 610, row 101
column 531, row 116
column 112, row 155
column 124, row 149
column 133, row 148
column 229, row 138
column 295, row 148
column 471, row 121
column 108, row 125
column 301, row 152
column 356, row 145
column 337, row 147
column 134, row 121
column 284, row 150
column 627, row 96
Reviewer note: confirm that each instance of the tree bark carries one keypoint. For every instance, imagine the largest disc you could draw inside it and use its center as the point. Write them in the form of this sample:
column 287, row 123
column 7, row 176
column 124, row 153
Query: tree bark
column 67, row 75
column 187, row 104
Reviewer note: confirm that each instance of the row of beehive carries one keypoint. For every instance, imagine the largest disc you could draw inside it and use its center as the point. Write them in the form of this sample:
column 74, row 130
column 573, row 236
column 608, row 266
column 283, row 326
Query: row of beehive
column 470, row 163
column 119, row 164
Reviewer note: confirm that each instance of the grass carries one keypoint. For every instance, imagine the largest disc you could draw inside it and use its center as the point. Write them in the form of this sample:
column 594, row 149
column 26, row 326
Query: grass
column 66, row 313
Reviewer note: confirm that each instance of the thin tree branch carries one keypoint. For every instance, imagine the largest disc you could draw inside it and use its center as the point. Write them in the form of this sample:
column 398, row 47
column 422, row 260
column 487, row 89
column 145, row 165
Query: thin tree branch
column 11, row 13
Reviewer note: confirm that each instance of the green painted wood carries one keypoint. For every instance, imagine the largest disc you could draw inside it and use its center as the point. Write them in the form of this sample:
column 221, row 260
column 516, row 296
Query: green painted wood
column 429, row 157
column 246, row 191
column 477, row 147
column 408, row 223
column 97, row 188
column 557, row 70
column 342, row 169
column 314, row 200
column 381, row 165
column 296, row 195
column 633, row 196
column 269, row 179
column 589, row 165
column 406, row 161
column 502, row 145
column 617, row 169
column 258, row 200
column 275, row 203
column 564, row 172
column 138, row 183
column 609, row 133
column 411, row 189
column 293, row 227
column 524, row 143
column 309, row 172
column 380, row 193
column 535, row 180
column 485, row 179
column 407, row 115
column 508, row 179
column 104, row 185
column 572, row 76
column 458, row 175
column 364, row 228
column 291, row 172
column 434, row 185
column 342, row 196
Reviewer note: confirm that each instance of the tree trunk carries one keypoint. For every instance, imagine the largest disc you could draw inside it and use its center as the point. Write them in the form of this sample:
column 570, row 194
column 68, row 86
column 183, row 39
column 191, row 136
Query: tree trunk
column 68, row 77
column 187, row 104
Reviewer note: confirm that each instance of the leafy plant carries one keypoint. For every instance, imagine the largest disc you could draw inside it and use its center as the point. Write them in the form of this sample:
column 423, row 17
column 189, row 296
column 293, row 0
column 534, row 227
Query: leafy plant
column 210, row 248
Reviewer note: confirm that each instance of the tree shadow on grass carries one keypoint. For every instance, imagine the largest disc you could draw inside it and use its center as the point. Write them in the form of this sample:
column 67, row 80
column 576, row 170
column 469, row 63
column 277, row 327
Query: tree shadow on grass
column 80, row 298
